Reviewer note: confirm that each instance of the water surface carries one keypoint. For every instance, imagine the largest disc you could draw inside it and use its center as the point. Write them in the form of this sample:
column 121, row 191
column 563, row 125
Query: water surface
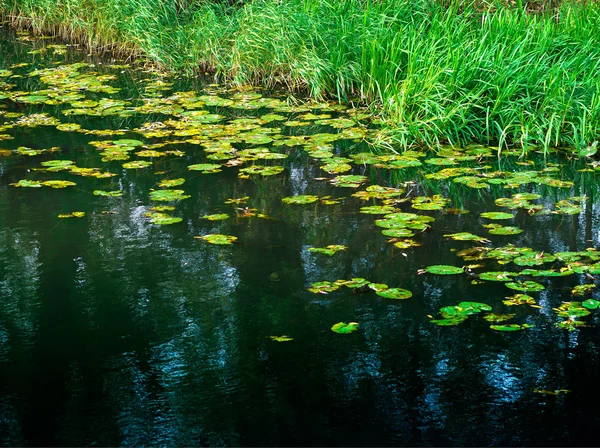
column 118, row 331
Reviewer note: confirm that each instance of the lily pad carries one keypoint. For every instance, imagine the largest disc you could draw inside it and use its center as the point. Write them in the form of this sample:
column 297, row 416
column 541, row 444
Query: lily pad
column 395, row 293
column 506, row 230
column 163, row 219
column 344, row 328
column 218, row 239
column 330, row 250
column 590, row 304
column 441, row 269
column 205, row 168
column 108, row 194
column 58, row 183
column 168, row 195
column 302, row 199
column 526, row 286
column 216, row 217
column 137, row 164
column 282, row 338
column 499, row 276
column 497, row 215
column 25, row 183
column 168, row 183
column 510, row 327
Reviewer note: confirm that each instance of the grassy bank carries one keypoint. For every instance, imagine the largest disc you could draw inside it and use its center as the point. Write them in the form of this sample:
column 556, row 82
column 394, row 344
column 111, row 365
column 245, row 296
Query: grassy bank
column 436, row 73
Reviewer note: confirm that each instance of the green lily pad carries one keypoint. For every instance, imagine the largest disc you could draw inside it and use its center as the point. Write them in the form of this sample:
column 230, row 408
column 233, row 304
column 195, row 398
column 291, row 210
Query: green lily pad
column 499, row 276
column 168, row 183
column 216, row 217
column 506, row 230
column 344, row 328
column 397, row 233
column 137, row 164
column 108, row 194
column 590, row 304
column 519, row 299
column 449, row 322
column 218, row 239
column 25, row 183
column 205, row 168
column 441, row 269
column 162, row 219
column 282, row 338
column 526, row 286
column 348, row 181
column 466, row 236
column 377, row 210
column 58, row 183
column 168, row 195
column 262, row 170
column 57, row 165
column 395, row 293
column 72, row 215
column 493, row 317
column 570, row 324
column 510, row 327
column 330, row 250
column 302, row 199
column 497, row 215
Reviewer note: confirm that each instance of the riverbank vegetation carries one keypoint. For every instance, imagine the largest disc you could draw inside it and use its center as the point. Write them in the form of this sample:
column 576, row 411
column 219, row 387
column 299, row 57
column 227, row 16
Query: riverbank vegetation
column 436, row 73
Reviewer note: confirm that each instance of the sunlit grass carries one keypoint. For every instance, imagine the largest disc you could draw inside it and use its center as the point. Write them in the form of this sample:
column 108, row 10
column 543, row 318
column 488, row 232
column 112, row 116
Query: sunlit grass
column 436, row 74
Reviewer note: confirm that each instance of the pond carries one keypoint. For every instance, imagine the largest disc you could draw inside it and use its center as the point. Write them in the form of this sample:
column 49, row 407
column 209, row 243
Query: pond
column 183, row 263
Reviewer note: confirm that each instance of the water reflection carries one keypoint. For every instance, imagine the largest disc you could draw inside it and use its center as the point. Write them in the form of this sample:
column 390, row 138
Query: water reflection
column 115, row 331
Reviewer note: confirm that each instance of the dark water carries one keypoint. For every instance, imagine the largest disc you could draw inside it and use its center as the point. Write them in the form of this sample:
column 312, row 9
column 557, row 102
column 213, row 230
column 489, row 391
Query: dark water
column 115, row 331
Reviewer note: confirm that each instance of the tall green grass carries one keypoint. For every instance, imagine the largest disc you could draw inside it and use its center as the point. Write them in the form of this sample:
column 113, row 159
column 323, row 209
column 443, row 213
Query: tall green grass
column 435, row 74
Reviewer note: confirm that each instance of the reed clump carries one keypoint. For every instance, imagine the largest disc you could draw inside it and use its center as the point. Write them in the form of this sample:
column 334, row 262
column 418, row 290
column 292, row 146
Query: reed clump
column 436, row 73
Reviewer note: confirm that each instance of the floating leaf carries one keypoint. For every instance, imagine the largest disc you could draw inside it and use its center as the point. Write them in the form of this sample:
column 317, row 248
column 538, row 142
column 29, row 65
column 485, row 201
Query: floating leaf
column 137, row 164
column 216, row 217
column 282, row 338
column 205, row 168
column 377, row 210
column 519, row 299
column 108, row 194
column 348, row 181
column 395, row 293
column 218, row 239
column 590, row 304
column 25, row 183
column 168, row 183
column 507, row 230
column 262, row 170
column 344, row 328
column 72, row 215
column 302, row 199
column 58, row 183
column 168, row 195
column 330, row 250
column 551, row 392
column 510, row 327
column 526, row 286
column 466, row 236
column 500, row 276
column 324, row 287
column 497, row 215
column 441, row 269
column 492, row 317
column 162, row 219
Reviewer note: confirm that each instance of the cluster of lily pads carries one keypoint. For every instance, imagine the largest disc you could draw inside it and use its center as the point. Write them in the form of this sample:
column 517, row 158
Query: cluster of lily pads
column 254, row 135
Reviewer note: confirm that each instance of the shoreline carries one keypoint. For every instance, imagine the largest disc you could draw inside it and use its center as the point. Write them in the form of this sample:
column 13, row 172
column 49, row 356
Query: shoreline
column 435, row 75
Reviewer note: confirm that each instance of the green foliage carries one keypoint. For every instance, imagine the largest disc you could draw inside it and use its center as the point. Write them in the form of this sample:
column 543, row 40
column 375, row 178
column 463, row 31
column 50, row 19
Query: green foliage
column 438, row 72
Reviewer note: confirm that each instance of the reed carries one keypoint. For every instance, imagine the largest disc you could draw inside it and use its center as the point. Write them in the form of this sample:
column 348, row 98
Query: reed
column 435, row 73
